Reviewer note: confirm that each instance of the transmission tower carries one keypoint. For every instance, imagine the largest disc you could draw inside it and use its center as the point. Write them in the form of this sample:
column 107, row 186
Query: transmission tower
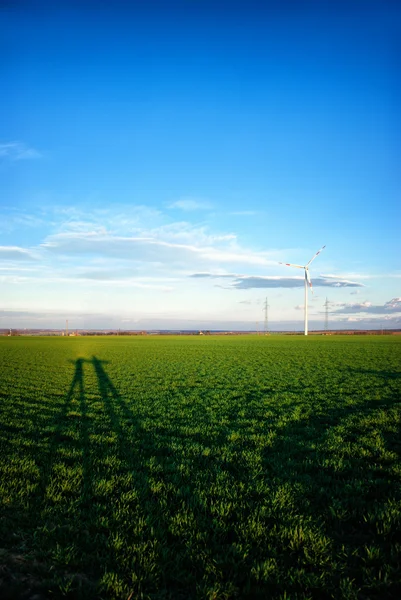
column 266, row 306
column 66, row 327
column 326, row 315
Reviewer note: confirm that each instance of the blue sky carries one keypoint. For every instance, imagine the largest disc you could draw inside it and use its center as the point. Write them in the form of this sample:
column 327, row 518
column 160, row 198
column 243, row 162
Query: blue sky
column 157, row 162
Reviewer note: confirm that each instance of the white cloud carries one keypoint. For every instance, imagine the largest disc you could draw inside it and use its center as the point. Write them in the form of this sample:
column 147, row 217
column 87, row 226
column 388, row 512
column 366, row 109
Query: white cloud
column 129, row 235
column 215, row 275
column 377, row 322
column 106, row 253
column 252, row 282
column 152, row 249
column 184, row 232
column 191, row 204
column 86, row 227
column 15, row 253
column 346, row 276
column 245, row 282
column 18, row 151
column 390, row 307
column 353, row 275
column 12, row 220
column 120, row 220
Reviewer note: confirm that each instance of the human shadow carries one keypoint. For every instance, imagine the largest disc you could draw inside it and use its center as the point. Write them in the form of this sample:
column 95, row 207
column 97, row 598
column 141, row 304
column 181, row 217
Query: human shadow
column 61, row 424
column 56, row 443
column 68, row 448
column 140, row 452
column 176, row 476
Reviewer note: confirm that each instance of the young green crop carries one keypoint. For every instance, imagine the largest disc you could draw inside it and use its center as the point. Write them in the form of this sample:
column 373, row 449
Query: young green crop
column 200, row 467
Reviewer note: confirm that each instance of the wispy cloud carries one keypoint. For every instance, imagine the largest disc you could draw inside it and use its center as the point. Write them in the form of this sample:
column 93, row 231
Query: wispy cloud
column 15, row 219
column 15, row 253
column 151, row 249
column 354, row 275
column 191, row 204
column 131, row 236
column 187, row 233
column 347, row 276
column 18, row 151
column 245, row 283
column 378, row 321
column 214, row 275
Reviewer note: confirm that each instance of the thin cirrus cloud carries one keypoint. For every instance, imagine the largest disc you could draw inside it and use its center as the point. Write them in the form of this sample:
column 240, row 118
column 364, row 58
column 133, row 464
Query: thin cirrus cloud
column 15, row 151
column 210, row 275
column 130, row 248
column 15, row 253
column 191, row 204
column 127, row 276
column 149, row 249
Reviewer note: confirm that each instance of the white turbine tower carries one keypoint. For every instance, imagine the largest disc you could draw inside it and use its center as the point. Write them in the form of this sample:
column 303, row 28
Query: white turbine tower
column 307, row 282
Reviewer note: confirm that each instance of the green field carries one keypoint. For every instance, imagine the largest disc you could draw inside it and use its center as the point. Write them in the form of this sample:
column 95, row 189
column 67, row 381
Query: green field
column 200, row 467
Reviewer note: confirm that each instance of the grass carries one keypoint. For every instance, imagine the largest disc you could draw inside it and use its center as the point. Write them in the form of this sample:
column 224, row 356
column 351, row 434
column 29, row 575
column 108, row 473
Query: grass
column 212, row 467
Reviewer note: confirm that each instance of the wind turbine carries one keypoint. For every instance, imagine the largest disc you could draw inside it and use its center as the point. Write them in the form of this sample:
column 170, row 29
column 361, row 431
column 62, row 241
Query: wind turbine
column 307, row 282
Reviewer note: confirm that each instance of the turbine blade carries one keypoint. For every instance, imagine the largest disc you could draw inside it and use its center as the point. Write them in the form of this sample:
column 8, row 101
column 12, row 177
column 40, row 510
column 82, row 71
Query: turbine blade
column 313, row 257
column 290, row 265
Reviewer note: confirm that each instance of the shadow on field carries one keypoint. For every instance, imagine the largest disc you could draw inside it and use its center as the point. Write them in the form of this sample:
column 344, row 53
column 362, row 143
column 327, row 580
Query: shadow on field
column 324, row 493
column 248, row 499
column 59, row 433
column 335, row 468
column 66, row 426
column 55, row 442
column 383, row 373
column 160, row 492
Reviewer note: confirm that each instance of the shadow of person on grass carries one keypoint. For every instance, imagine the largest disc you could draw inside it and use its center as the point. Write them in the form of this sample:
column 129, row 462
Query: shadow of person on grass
column 55, row 442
